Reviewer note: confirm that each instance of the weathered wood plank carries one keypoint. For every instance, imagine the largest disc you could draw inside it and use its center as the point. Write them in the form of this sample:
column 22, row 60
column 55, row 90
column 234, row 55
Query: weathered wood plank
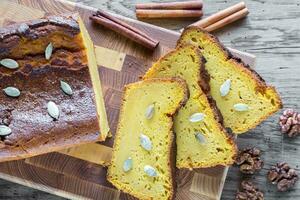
column 10, row 191
column 272, row 33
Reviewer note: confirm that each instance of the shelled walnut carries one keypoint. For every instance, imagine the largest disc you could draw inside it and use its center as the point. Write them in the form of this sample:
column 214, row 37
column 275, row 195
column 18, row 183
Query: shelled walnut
column 249, row 192
column 249, row 160
column 290, row 122
column 282, row 175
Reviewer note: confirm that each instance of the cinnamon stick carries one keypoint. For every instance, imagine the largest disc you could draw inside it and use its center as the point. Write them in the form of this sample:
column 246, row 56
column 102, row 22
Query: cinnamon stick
column 124, row 29
column 186, row 5
column 143, row 13
column 110, row 17
column 227, row 20
column 219, row 15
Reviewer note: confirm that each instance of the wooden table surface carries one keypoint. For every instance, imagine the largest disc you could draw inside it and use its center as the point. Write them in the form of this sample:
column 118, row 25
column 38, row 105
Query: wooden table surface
column 272, row 33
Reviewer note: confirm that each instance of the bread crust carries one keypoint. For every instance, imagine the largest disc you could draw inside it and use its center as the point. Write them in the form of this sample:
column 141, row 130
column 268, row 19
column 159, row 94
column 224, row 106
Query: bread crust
column 15, row 37
column 172, row 143
column 261, row 84
column 11, row 36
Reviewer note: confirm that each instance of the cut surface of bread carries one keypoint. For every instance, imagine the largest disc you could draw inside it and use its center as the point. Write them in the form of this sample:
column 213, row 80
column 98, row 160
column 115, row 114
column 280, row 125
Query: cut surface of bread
column 95, row 78
column 147, row 172
column 201, row 139
column 81, row 114
column 241, row 94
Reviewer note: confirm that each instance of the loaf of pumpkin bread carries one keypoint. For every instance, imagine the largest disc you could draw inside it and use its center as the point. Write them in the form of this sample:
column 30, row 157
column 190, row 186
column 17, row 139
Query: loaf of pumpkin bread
column 201, row 139
column 242, row 96
column 50, row 95
column 143, row 159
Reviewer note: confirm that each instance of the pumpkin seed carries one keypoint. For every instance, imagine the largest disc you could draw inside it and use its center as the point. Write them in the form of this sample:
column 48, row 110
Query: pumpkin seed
column 23, row 28
column 66, row 88
column 127, row 165
column 12, row 91
column 4, row 130
column 149, row 111
column 197, row 117
column 241, row 107
column 225, row 88
column 9, row 63
column 145, row 142
column 200, row 137
column 53, row 110
column 150, row 171
column 48, row 51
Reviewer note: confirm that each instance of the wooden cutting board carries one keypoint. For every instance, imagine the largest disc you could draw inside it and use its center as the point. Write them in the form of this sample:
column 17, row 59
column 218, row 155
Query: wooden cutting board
column 77, row 173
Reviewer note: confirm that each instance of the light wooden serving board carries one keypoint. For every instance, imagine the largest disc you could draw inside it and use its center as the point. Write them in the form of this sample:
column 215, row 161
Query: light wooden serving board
column 77, row 173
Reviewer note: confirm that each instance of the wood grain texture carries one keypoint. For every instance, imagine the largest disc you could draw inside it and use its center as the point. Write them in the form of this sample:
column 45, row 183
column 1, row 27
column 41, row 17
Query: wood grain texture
column 7, row 10
column 45, row 180
column 109, row 58
column 94, row 153
column 271, row 32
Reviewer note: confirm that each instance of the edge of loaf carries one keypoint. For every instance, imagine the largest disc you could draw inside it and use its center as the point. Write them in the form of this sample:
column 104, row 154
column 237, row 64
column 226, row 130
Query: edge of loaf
column 24, row 34
column 10, row 35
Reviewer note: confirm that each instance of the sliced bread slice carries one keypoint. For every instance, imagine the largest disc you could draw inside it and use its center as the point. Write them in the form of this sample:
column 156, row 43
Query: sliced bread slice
column 242, row 96
column 143, row 159
column 201, row 139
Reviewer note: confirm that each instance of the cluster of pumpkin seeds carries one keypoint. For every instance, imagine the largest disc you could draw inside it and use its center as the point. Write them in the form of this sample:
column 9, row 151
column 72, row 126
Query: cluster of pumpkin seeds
column 146, row 144
column 52, row 108
column 194, row 118
column 224, row 90
column 9, row 91
column 14, row 92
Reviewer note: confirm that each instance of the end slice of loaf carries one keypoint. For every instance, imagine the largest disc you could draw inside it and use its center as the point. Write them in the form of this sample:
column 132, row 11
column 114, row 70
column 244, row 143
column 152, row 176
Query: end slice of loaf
column 200, row 143
column 250, row 100
column 147, row 172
